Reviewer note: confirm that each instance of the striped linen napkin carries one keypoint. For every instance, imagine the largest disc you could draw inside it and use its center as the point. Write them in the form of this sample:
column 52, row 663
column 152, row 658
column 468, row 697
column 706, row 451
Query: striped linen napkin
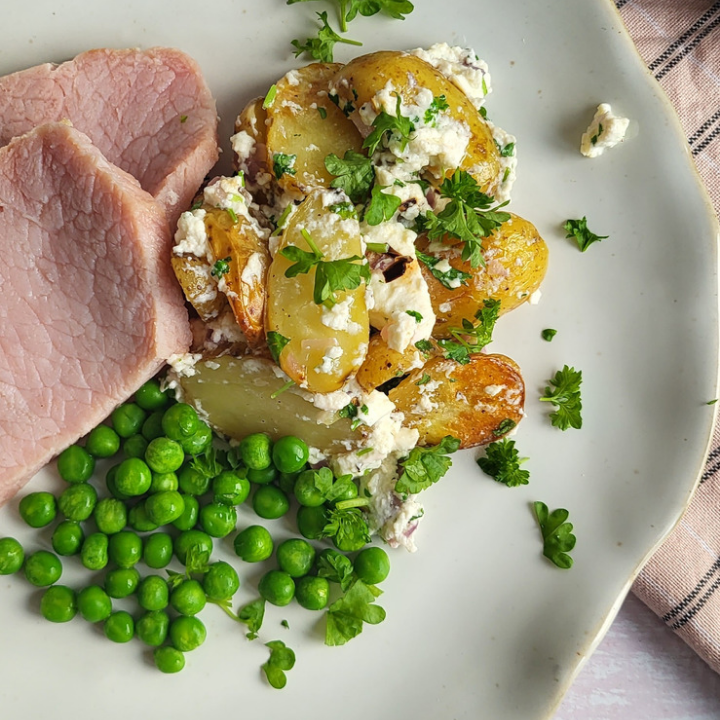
column 680, row 42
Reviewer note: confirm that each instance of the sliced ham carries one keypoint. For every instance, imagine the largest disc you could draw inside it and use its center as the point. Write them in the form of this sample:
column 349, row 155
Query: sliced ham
column 149, row 112
column 89, row 308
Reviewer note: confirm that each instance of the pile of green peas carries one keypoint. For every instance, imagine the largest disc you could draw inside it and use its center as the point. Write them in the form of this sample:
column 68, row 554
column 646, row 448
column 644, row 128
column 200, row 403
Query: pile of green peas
column 159, row 506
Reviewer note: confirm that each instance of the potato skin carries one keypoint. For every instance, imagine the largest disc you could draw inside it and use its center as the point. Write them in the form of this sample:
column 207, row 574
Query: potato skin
column 382, row 363
column 194, row 276
column 466, row 401
column 516, row 258
column 359, row 81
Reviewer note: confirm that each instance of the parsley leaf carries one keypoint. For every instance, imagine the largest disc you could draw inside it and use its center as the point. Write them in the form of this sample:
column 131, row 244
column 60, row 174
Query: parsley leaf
column 566, row 398
column 345, row 617
column 382, row 206
column 348, row 528
column 424, row 380
column 252, row 615
column 283, row 164
column 282, row 658
column 394, row 125
column 472, row 338
column 548, row 334
column 345, row 210
column 436, row 106
column 425, row 466
column 558, row 539
column 221, row 267
column 451, row 279
column 504, row 427
column 502, row 463
column 468, row 216
column 579, row 230
column 354, row 174
column 506, row 151
column 349, row 9
column 349, row 411
column 321, row 47
column 336, row 567
column 415, row 315
column 207, row 464
column 276, row 343
column 424, row 346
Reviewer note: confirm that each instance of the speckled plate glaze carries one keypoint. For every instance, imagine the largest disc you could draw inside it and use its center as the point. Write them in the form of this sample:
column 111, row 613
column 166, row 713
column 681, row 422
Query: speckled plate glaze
column 478, row 624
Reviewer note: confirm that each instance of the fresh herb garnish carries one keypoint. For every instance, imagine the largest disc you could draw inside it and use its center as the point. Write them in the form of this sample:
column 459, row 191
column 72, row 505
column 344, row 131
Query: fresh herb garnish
column 345, row 617
column 566, row 398
column 183, row 119
column 270, row 97
column 276, row 342
column 252, row 615
column 472, row 338
column 221, row 267
column 711, row 402
column 396, row 126
column 282, row 220
column 468, row 216
column 436, row 106
column 382, row 206
column 346, row 210
column 502, row 463
column 558, row 539
column 283, row 164
column 424, row 466
column 507, row 150
column 347, row 526
column 579, row 230
column 595, row 137
column 207, row 464
column 282, row 389
column 424, row 346
column 282, row 658
column 354, row 174
column 415, row 315
column 321, row 47
column 424, row 380
column 336, row 568
column 349, row 9
column 322, row 112
column 349, row 411
column 451, row 279
column 377, row 247
column 504, row 427
column 548, row 334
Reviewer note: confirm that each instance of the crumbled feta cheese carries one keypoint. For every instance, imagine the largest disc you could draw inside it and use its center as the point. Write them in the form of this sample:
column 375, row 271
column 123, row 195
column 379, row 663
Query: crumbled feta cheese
column 330, row 360
column 508, row 163
column 535, row 297
column 338, row 317
column 293, row 77
column 445, row 307
column 605, row 131
column 227, row 193
column 393, row 234
column 254, row 270
column 183, row 364
column 243, row 145
column 494, row 390
column 191, row 237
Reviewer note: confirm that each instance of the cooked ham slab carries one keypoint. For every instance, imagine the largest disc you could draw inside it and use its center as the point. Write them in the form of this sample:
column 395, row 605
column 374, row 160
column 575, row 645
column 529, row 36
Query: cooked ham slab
column 89, row 308
column 149, row 112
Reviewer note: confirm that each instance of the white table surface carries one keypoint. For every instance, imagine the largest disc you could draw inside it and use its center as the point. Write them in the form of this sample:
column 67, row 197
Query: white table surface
column 642, row 671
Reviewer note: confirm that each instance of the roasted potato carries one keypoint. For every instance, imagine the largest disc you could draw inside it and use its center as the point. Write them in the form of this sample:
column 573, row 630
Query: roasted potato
column 324, row 346
column 253, row 120
column 304, row 124
column 199, row 286
column 358, row 82
column 234, row 240
column 472, row 402
column 382, row 363
column 235, row 394
column 516, row 259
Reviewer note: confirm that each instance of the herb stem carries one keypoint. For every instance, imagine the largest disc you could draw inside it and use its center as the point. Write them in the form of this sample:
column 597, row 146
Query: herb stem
column 352, row 503
column 311, row 242
column 282, row 389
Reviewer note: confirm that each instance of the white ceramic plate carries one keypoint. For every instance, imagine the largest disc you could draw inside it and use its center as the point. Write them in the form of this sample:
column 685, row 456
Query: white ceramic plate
column 479, row 625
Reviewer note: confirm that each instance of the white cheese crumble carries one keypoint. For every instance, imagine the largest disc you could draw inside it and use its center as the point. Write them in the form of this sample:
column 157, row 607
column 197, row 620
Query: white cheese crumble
column 508, row 163
column 330, row 360
column 534, row 298
column 338, row 317
column 191, row 237
column 183, row 364
column 243, row 145
column 605, row 131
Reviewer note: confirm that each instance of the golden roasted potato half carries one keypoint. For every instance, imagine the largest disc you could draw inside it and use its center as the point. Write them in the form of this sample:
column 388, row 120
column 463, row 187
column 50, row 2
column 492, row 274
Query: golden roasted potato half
column 246, row 257
column 472, row 402
column 361, row 79
column 324, row 347
column 199, row 286
column 252, row 119
column 516, row 259
column 304, row 127
column 250, row 384
column 382, row 363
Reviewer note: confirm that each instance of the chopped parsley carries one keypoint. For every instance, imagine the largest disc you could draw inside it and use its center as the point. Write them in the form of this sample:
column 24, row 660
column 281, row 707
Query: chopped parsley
column 436, row 106
column 221, row 267
column 322, row 112
column 507, row 150
column 502, row 463
column 424, row 466
column 595, row 137
column 276, row 343
column 711, row 402
column 345, row 617
column 377, row 247
column 349, row 9
column 281, row 659
column 504, row 427
column 282, row 220
column 232, row 214
column 347, row 525
column 579, row 230
column 565, row 395
column 382, row 206
column 354, row 174
column 448, row 278
column 321, row 47
column 558, row 538
column 346, row 210
column 424, row 380
column 270, row 97
column 396, row 126
column 336, row 568
column 472, row 338
column 252, row 615
column 283, row 164
column 183, row 118
column 548, row 334
column 349, row 411
column 415, row 314
column 424, row 346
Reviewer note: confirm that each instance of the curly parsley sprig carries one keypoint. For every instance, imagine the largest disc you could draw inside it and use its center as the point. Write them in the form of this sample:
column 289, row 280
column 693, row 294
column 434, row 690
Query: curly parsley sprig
column 502, row 463
column 321, row 47
column 348, row 10
column 386, row 126
column 558, row 538
column 579, row 230
column 565, row 395
column 472, row 338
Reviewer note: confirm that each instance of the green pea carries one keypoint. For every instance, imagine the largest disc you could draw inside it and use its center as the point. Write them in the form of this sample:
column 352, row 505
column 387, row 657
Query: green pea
column 150, row 397
column 188, row 519
column 255, row 451
column 102, row 442
column 311, row 522
column 135, row 446
column 199, row 442
column 295, row 557
column 75, row 464
column 111, row 484
column 110, row 516
column 152, row 427
column 163, row 482
column 164, row 507
column 152, row 628
column 67, row 538
column 133, row 477
column 43, row 568
column 38, row 509
column 305, row 491
column 218, row 520
column 187, row 633
column 58, row 604
column 312, row 593
column 221, row 581
column 138, row 519
column 188, row 598
column 157, row 550
column 372, row 565
column 192, row 538
column 169, row 660
column 94, row 604
column 153, row 593
column 128, row 419
column 290, row 454
column 119, row 627
column 286, row 482
column 253, row 544
column 77, row 502
column 12, row 556
column 94, row 551
column 164, row 455
column 193, row 482
column 277, row 588
column 270, row 502
column 180, row 422
column 262, row 477
column 125, row 549
column 122, row 582
column 231, row 487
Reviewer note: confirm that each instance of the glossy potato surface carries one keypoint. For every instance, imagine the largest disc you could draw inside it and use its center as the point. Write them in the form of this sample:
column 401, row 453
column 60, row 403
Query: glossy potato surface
column 252, row 119
column 292, row 312
column 368, row 74
column 486, row 391
column 297, row 127
column 516, row 259
column 198, row 285
column 383, row 363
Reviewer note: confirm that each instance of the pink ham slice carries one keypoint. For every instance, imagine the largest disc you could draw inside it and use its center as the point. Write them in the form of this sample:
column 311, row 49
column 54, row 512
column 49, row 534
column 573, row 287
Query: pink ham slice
column 149, row 112
column 89, row 308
